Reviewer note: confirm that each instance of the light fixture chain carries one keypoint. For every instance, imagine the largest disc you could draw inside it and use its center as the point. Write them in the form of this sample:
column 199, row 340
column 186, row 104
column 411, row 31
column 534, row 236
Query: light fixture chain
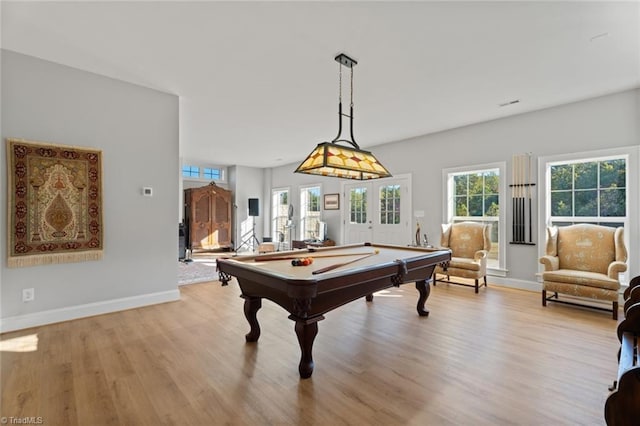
column 340, row 83
column 351, row 87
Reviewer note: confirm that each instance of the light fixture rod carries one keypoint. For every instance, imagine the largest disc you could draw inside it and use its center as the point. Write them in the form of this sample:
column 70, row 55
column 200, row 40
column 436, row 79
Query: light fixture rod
column 348, row 62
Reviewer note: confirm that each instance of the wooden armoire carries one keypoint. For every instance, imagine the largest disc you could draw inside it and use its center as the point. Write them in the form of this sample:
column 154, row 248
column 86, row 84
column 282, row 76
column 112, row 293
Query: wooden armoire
column 207, row 218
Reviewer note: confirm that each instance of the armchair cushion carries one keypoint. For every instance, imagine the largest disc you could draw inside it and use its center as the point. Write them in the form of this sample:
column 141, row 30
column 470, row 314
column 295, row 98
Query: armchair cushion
column 462, row 263
column 590, row 279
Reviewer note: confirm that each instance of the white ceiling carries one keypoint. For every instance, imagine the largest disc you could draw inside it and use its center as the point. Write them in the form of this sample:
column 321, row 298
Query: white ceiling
column 258, row 85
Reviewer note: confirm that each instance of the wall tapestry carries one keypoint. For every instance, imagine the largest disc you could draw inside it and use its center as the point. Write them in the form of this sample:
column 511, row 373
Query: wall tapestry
column 55, row 203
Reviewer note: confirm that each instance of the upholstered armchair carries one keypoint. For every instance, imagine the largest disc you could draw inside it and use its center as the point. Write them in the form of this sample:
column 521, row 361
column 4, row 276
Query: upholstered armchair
column 584, row 260
column 469, row 243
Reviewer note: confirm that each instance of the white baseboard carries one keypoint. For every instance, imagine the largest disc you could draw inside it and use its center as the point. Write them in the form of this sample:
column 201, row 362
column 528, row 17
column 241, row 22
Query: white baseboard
column 87, row 310
column 513, row 283
column 535, row 286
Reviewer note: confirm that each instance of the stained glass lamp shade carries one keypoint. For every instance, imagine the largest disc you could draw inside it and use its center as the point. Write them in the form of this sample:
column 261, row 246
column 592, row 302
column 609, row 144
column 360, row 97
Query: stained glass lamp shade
column 331, row 159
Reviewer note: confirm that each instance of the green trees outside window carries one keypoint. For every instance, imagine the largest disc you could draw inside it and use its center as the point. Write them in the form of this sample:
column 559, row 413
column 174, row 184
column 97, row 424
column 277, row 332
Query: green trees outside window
column 358, row 205
column 594, row 189
column 477, row 194
column 390, row 205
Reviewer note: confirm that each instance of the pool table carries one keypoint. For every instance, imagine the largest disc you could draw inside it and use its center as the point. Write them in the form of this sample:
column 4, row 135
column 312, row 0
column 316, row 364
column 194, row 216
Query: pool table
column 307, row 293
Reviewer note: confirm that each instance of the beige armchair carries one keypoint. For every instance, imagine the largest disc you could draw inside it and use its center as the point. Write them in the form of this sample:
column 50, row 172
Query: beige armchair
column 469, row 243
column 584, row 260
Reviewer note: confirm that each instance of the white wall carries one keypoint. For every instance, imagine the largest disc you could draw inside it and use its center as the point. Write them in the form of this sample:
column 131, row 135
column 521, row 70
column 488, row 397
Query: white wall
column 137, row 130
column 245, row 183
column 604, row 122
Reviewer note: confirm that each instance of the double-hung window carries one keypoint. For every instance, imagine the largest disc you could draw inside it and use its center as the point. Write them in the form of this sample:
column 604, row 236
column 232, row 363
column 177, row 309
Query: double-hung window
column 592, row 190
column 598, row 187
column 309, row 212
column 474, row 194
column 280, row 225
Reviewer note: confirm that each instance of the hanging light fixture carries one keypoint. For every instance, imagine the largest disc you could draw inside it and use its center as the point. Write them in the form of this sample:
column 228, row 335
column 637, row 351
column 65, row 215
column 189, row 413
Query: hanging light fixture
column 350, row 162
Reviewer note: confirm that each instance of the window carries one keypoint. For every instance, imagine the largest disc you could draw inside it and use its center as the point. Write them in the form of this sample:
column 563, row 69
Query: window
column 280, row 215
column 358, row 204
column 211, row 174
column 202, row 173
column 390, row 205
column 474, row 194
column 592, row 190
column 309, row 211
column 597, row 187
column 190, row 171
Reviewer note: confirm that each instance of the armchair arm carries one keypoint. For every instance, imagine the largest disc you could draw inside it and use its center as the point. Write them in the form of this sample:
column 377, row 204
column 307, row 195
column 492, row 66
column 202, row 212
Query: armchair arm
column 615, row 268
column 551, row 263
column 480, row 255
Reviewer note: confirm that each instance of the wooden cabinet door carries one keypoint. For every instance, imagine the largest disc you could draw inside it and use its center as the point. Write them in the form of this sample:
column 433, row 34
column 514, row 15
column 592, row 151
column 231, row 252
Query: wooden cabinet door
column 208, row 213
column 201, row 223
column 222, row 218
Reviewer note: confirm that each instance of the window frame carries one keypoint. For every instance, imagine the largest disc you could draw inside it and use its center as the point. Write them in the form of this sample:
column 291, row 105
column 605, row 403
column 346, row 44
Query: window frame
column 360, row 214
column 201, row 170
column 192, row 169
column 393, row 213
column 498, row 222
column 210, row 170
column 302, row 222
column 632, row 186
column 574, row 191
column 274, row 224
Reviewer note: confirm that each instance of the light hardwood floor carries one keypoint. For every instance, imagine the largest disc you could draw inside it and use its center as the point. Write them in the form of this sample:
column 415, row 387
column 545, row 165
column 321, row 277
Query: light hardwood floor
column 495, row 358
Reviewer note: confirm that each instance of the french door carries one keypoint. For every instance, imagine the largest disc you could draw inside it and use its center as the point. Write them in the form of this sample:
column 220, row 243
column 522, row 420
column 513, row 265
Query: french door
column 377, row 211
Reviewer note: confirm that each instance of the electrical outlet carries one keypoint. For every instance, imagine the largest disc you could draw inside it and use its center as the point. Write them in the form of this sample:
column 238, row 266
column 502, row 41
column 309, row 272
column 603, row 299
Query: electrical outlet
column 28, row 294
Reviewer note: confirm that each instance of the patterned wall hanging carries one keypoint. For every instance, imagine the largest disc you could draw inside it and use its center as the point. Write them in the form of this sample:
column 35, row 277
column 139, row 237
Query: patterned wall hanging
column 55, row 203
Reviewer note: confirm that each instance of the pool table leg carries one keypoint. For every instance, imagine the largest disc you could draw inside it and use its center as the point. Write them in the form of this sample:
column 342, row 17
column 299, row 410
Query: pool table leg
column 251, row 307
column 306, row 330
column 424, row 289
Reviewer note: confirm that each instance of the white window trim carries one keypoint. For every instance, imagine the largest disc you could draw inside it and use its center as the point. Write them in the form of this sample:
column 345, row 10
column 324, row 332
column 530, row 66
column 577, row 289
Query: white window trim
column 201, row 167
column 631, row 235
column 299, row 231
column 271, row 218
column 448, row 208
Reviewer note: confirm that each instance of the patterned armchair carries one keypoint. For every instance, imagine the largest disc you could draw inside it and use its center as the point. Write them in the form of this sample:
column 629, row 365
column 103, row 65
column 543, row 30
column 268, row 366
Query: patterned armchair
column 584, row 260
column 469, row 243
